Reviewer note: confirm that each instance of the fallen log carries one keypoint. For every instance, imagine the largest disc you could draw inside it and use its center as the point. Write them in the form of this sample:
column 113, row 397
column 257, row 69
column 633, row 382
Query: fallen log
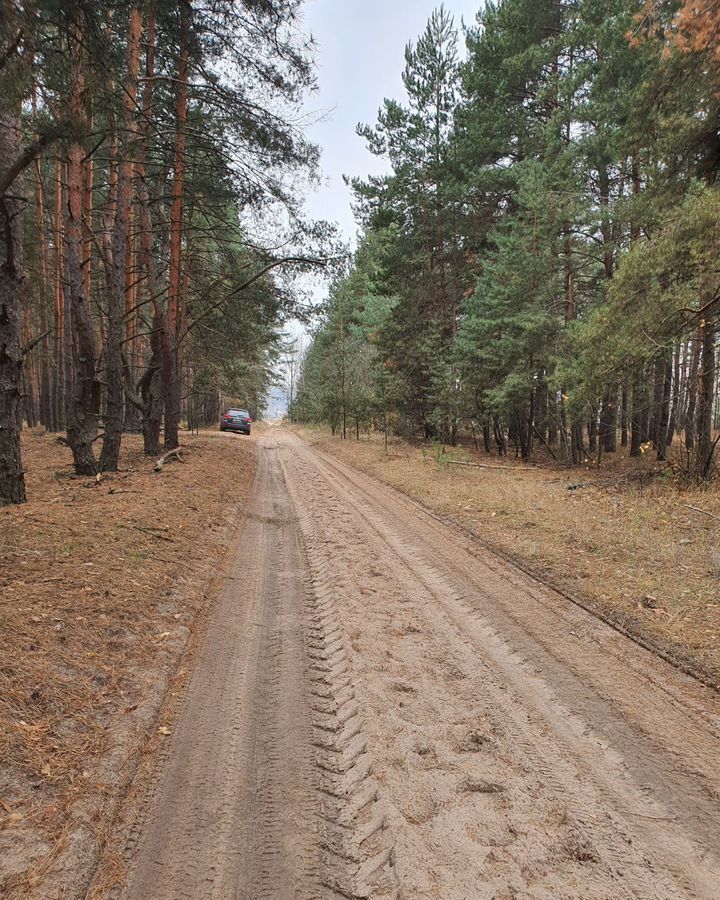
column 457, row 462
column 703, row 511
column 168, row 457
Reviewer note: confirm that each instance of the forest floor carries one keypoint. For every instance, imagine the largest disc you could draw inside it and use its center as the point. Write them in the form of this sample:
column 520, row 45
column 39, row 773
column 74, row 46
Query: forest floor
column 620, row 539
column 102, row 586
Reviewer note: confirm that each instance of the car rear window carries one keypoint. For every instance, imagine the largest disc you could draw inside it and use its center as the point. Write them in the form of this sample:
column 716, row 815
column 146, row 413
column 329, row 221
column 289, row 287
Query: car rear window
column 237, row 412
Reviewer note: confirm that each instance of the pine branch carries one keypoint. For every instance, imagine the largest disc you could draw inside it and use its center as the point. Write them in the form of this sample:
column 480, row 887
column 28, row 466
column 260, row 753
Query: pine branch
column 54, row 133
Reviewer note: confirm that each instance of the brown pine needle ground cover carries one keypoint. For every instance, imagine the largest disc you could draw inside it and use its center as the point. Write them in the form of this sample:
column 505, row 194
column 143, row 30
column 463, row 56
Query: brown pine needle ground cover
column 624, row 545
column 101, row 585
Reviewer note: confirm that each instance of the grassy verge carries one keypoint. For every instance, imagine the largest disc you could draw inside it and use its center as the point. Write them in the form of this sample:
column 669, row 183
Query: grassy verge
column 629, row 548
column 102, row 583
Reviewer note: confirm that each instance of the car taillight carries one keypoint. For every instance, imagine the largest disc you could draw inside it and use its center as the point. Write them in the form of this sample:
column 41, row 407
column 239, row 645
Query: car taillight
column 227, row 417
column 249, row 421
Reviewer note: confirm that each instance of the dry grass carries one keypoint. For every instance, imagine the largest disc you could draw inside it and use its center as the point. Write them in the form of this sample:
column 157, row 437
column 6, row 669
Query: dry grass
column 101, row 585
column 628, row 548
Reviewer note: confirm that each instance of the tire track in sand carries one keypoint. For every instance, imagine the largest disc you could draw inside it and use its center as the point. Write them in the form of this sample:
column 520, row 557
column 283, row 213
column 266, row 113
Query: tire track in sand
column 616, row 813
column 265, row 791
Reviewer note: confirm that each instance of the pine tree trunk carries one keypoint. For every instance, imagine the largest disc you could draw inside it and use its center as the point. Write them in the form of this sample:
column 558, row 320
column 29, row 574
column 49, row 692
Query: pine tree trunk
column 486, row 436
column 28, row 388
column 692, row 384
column 150, row 388
column 499, row 437
column 172, row 374
column 132, row 420
column 541, row 407
column 58, row 385
column 45, row 409
column 705, row 394
column 675, row 397
column 662, row 443
column 161, row 359
column 577, row 451
column 133, row 416
column 12, row 479
column 635, row 435
column 552, row 430
column 82, row 389
column 576, row 444
column 40, row 300
column 592, row 431
column 608, row 422
column 114, row 416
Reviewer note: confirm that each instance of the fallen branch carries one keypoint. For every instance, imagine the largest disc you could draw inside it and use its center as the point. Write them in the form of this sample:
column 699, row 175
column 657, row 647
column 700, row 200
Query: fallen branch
column 457, row 462
column 153, row 532
column 703, row 511
column 168, row 457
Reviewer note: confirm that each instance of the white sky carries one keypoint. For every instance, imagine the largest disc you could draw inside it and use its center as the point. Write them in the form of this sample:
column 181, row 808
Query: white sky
column 360, row 61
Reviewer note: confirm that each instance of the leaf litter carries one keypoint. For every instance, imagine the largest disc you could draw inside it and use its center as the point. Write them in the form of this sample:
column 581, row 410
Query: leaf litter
column 94, row 619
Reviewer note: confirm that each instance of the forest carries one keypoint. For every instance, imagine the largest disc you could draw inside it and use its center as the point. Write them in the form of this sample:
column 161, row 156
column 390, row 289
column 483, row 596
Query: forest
column 151, row 169
column 452, row 631
column 539, row 267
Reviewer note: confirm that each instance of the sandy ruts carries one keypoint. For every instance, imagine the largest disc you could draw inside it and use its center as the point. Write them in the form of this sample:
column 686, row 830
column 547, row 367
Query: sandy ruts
column 382, row 710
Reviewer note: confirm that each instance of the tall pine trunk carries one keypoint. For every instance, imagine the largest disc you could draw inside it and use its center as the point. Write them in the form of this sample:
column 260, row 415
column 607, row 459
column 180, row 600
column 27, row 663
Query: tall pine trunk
column 608, row 421
column 110, row 454
column 624, row 415
column 58, row 384
column 664, row 424
column 705, row 394
column 172, row 369
column 82, row 388
column 45, row 407
column 150, row 388
column 638, row 409
column 12, row 479
column 152, row 385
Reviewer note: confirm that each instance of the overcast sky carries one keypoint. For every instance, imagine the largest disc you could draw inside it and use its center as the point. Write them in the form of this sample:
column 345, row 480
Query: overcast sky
column 360, row 61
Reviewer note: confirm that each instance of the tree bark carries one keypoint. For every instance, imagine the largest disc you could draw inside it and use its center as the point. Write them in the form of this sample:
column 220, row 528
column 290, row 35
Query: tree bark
column 692, row 384
column 45, row 408
column 172, row 374
column 608, row 422
column 12, row 479
column 58, row 384
column 662, row 442
column 638, row 402
column 82, row 389
column 705, row 395
column 151, row 393
column 592, row 430
column 110, row 453
column 674, row 397
column 161, row 361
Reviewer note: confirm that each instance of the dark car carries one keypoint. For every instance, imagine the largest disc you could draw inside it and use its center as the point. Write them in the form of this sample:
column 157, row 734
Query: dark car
column 236, row 420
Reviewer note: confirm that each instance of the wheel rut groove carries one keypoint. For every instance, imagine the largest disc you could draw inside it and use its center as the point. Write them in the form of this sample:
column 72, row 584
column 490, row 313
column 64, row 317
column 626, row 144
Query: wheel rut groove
column 265, row 788
column 585, row 722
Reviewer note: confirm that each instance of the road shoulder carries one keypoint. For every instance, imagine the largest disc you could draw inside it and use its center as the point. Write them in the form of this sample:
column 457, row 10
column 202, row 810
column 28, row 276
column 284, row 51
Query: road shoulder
column 636, row 556
column 105, row 588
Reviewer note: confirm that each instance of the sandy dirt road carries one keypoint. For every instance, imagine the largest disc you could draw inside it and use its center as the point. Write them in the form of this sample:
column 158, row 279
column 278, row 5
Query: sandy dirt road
column 382, row 709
